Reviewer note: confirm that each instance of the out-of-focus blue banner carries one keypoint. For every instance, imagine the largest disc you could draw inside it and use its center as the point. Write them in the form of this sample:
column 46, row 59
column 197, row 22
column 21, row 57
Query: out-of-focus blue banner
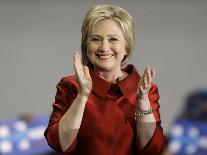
column 18, row 137
column 188, row 137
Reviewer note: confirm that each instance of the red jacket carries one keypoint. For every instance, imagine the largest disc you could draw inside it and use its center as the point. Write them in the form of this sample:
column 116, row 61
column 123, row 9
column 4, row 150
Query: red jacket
column 108, row 126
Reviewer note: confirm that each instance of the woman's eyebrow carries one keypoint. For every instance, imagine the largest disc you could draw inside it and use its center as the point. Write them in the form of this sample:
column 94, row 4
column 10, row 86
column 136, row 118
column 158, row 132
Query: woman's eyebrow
column 95, row 35
column 110, row 35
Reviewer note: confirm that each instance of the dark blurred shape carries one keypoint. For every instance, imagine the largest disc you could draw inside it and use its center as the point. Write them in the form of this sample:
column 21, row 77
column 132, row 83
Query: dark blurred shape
column 196, row 106
column 27, row 117
column 188, row 134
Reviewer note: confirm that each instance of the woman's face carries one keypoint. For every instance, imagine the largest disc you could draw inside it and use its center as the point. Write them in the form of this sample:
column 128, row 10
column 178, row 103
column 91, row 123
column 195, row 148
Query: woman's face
column 106, row 46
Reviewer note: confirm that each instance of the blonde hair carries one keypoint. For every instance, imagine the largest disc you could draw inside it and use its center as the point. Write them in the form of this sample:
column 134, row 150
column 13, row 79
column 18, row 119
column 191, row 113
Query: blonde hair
column 117, row 14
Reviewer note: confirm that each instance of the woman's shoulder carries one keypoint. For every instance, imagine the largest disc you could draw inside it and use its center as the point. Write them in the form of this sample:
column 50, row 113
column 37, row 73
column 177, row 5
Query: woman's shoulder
column 132, row 70
column 69, row 81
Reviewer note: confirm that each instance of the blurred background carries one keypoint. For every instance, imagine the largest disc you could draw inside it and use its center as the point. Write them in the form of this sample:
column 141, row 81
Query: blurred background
column 39, row 37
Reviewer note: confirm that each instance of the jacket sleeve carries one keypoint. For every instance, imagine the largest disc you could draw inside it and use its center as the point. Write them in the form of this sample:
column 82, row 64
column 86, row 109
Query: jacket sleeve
column 158, row 141
column 67, row 90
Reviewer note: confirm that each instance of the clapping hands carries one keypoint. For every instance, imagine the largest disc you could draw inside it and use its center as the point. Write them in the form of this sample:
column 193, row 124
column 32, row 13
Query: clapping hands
column 145, row 84
column 83, row 75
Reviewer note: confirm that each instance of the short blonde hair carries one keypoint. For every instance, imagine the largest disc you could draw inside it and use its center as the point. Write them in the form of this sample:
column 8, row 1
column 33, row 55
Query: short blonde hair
column 117, row 14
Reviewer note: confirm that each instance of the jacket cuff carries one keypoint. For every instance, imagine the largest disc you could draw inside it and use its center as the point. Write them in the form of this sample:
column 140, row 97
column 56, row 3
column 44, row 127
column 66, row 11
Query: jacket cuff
column 54, row 140
column 156, row 145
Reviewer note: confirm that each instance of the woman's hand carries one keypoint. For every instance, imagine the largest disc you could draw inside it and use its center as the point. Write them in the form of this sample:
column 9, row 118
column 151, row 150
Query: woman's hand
column 83, row 75
column 144, row 86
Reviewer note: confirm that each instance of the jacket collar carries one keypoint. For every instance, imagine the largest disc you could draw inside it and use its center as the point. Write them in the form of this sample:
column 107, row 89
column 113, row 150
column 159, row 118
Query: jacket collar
column 127, row 85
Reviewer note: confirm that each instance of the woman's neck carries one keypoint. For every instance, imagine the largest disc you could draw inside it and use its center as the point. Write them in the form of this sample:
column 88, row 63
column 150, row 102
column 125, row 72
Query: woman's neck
column 112, row 76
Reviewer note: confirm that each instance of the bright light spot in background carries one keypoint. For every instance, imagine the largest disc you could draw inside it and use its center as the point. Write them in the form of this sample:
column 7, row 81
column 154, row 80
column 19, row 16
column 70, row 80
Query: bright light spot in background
column 5, row 147
column 177, row 131
column 191, row 149
column 175, row 146
column 193, row 132
column 24, row 145
column 202, row 142
column 36, row 133
column 4, row 131
column 21, row 126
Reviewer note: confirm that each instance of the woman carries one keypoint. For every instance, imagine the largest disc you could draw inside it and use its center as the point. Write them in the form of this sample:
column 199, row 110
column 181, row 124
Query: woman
column 106, row 107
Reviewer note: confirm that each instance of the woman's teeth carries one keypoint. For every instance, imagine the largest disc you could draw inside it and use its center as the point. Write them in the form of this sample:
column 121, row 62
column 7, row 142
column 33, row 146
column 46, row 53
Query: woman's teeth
column 105, row 56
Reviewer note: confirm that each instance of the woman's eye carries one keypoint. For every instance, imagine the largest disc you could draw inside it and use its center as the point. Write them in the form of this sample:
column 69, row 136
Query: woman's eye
column 95, row 39
column 113, row 39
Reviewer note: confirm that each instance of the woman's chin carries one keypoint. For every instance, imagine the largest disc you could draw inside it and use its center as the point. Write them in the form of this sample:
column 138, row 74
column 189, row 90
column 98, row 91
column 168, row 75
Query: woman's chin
column 105, row 67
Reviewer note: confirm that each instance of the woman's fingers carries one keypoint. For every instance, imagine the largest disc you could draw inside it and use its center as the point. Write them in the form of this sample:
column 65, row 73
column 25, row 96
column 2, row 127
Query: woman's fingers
column 150, row 72
column 86, row 72
column 83, row 75
column 147, row 77
column 153, row 73
column 145, row 82
column 80, row 70
column 141, row 91
column 78, row 66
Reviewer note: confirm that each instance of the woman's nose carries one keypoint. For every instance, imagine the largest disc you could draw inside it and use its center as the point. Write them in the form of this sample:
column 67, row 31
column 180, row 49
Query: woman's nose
column 104, row 46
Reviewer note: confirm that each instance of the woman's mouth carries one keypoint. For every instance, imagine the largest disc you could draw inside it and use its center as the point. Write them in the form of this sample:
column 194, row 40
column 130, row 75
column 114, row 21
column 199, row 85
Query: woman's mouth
column 104, row 56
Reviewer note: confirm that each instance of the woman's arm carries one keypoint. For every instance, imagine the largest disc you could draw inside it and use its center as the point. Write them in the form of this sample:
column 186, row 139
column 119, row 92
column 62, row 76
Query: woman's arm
column 150, row 137
column 68, row 108
column 145, row 126
column 69, row 124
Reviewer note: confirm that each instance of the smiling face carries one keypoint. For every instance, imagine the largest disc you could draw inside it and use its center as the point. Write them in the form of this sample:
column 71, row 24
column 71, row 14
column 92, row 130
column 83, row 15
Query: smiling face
column 106, row 46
